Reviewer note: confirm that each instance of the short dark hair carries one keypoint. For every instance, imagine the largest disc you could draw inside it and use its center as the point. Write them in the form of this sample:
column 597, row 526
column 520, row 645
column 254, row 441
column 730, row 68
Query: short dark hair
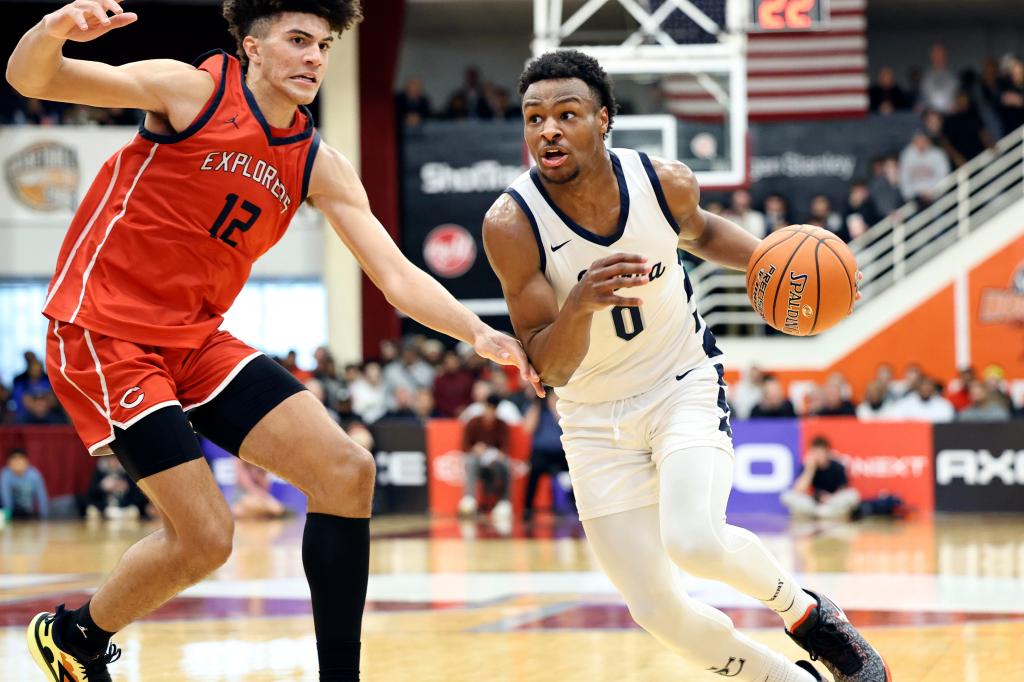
column 17, row 452
column 493, row 400
column 572, row 64
column 821, row 442
column 243, row 15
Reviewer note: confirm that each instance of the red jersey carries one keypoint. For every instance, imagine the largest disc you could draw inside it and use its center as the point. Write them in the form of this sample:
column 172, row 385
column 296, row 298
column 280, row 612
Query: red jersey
column 167, row 234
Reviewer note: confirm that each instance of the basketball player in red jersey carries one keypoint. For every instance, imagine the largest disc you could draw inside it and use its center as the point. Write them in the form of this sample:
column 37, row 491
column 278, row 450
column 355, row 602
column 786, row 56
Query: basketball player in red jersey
column 161, row 245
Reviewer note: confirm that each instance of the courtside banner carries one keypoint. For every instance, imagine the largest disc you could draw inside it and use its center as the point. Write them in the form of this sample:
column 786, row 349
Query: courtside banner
column 451, row 174
column 881, row 458
column 400, row 448
column 767, row 459
column 979, row 467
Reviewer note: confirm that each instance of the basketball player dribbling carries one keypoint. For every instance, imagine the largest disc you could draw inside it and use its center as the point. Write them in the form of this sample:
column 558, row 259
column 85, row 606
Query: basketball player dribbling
column 585, row 245
column 158, row 250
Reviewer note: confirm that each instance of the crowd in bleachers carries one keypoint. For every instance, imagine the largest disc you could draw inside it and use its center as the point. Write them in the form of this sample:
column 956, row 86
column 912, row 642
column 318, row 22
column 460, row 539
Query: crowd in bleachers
column 987, row 396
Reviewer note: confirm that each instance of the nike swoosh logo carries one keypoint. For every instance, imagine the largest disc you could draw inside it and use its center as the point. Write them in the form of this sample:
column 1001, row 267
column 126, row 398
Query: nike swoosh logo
column 556, row 248
column 680, row 377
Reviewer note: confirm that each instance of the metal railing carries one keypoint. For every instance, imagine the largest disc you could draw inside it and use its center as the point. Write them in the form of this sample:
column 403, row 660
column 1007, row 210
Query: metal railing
column 890, row 250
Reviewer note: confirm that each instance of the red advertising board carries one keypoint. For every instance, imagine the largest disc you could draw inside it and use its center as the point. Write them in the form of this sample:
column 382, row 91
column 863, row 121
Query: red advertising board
column 881, row 457
column 447, row 477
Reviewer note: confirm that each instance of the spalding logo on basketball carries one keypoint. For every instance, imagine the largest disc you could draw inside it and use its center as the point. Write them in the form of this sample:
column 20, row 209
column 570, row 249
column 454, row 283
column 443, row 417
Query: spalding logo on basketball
column 449, row 250
column 802, row 280
column 44, row 176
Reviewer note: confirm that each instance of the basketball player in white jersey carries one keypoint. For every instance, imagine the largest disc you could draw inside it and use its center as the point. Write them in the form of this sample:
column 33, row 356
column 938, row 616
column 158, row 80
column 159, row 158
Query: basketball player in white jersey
column 585, row 246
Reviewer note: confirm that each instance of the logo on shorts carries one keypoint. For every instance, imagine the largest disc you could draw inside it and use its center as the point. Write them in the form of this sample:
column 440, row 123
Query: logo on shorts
column 129, row 404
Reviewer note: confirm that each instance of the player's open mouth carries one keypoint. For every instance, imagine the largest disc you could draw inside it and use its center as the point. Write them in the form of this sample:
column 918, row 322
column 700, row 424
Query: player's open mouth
column 305, row 79
column 551, row 158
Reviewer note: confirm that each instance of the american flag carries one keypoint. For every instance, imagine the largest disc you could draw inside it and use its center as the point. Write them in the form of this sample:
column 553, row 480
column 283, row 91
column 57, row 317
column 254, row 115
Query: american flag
column 793, row 74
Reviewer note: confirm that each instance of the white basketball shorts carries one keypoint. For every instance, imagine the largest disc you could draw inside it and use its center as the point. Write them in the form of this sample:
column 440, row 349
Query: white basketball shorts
column 614, row 448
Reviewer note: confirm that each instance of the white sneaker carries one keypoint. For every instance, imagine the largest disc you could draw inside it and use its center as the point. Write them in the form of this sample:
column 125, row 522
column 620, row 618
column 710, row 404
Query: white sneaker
column 93, row 513
column 502, row 510
column 467, row 506
column 113, row 513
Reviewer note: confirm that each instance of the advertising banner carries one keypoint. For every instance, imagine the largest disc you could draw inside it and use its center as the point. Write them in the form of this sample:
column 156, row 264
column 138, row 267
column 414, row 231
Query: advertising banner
column 447, row 475
column 766, row 462
column 997, row 310
column 401, row 454
column 881, row 458
column 979, row 467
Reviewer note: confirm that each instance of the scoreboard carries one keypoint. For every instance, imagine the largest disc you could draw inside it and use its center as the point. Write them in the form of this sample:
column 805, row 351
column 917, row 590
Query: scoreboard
column 769, row 16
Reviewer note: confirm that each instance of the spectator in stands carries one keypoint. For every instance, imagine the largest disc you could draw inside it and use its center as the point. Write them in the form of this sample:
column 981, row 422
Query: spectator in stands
column 958, row 391
column 6, row 406
column 546, row 454
column 884, row 377
column 885, row 185
column 922, row 168
column 457, row 110
column 822, row 215
column 389, row 352
column 473, row 95
column 931, row 122
column 822, row 489
column 41, row 407
column 963, row 132
column 885, row 95
column 741, row 213
column 1011, row 97
column 939, row 84
column 994, row 377
column 291, row 363
column 984, row 406
column 483, row 391
column 485, row 443
column 774, row 403
column 877, row 402
column 408, row 371
column 32, row 382
column 924, row 403
column 989, row 87
column 776, row 212
column 715, row 207
column 326, row 373
column 860, row 211
column 22, row 488
column 903, row 387
column 369, row 395
column 112, row 493
column 423, row 405
column 432, row 351
column 501, row 105
column 747, row 392
column 252, row 494
column 319, row 391
column 412, row 106
column 833, row 403
column 401, row 405
column 453, row 386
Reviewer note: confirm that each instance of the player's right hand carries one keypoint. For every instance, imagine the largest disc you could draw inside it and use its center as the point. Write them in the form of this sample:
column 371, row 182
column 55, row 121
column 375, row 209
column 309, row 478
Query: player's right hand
column 596, row 290
column 85, row 20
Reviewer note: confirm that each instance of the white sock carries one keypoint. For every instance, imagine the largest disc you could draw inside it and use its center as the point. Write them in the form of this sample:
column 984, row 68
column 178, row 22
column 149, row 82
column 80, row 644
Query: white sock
column 792, row 607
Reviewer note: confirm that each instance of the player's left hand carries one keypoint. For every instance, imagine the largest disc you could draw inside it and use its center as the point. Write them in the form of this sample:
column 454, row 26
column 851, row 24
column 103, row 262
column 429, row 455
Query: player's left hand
column 505, row 350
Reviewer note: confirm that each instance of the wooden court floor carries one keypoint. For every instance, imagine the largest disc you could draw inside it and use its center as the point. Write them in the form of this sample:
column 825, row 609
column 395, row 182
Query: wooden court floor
column 449, row 601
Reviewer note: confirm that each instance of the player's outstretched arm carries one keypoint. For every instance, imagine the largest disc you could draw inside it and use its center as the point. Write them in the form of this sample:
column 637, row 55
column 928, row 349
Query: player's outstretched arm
column 37, row 67
column 704, row 234
column 556, row 340
column 337, row 191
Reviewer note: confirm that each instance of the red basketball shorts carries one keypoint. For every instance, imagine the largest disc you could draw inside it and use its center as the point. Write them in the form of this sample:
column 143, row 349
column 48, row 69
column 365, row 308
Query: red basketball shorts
column 103, row 382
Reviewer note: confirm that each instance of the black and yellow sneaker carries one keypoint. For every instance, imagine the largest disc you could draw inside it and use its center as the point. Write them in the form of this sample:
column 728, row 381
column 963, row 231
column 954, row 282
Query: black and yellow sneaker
column 60, row 665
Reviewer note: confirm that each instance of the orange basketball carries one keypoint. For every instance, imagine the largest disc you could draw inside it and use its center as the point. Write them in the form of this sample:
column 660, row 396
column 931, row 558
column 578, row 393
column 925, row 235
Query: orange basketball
column 802, row 280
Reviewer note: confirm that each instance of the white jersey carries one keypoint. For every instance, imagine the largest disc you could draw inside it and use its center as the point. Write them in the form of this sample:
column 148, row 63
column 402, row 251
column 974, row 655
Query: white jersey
column 631, row 349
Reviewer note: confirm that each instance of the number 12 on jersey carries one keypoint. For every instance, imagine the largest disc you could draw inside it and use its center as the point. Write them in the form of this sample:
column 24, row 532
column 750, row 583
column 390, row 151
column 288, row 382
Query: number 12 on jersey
column 229, row 204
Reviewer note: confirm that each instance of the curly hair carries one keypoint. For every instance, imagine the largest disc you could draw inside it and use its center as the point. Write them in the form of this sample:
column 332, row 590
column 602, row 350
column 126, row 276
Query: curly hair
column 572, row 64
column 244, row 17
